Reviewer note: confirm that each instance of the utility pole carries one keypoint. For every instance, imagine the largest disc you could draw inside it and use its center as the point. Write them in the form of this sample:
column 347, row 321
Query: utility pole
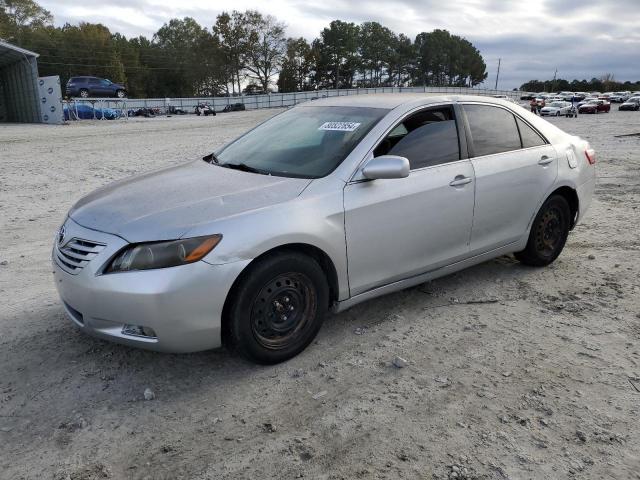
column 553, row 83
column 498, row 74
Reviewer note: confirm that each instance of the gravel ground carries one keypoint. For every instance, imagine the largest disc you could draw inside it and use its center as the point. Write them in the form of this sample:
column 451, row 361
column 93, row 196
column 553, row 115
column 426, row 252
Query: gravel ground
column 511, row 372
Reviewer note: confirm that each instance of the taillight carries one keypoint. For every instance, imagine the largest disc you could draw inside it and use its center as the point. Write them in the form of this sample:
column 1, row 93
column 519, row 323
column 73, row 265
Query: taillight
column 590, row 153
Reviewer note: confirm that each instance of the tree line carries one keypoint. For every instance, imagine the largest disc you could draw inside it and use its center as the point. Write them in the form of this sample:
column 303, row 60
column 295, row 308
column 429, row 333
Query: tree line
column 605, row 83
column 242, row 52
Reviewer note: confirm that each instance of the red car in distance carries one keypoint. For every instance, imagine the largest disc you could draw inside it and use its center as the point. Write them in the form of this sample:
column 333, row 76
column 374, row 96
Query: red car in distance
column 595, row 106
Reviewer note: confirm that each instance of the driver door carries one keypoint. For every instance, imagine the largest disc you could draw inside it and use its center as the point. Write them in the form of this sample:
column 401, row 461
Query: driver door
column 399, row 228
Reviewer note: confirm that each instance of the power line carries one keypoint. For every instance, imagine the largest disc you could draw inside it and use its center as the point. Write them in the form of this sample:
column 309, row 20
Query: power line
column 106, row 66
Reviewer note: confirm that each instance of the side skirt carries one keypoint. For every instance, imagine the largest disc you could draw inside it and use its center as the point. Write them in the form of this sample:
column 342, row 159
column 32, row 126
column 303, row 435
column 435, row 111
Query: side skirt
column 425, row 277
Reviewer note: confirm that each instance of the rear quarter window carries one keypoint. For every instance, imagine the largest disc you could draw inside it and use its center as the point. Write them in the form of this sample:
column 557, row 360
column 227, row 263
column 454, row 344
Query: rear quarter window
column 530, row 138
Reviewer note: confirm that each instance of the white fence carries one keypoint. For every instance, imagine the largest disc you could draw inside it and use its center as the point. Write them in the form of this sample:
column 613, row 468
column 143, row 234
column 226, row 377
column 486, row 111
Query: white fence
column 127, row 107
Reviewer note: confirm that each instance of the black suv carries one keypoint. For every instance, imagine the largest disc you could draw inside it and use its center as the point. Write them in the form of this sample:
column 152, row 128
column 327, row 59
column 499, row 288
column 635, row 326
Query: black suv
column 94, row 87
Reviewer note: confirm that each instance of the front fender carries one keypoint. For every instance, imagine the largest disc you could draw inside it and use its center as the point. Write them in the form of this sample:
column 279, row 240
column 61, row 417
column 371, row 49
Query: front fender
column 317, row 220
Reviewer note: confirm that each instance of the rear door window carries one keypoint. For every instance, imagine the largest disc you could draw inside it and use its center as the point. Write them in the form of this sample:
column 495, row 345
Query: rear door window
column 493, row 129
column 426, row 138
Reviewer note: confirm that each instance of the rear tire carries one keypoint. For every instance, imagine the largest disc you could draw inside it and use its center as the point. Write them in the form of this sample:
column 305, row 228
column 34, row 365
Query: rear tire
column 278, row 307
column 120, row 94
column 549, row 232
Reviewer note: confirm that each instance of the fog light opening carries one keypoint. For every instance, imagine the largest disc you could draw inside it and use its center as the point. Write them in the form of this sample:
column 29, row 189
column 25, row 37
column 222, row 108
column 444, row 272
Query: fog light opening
column 138, row 331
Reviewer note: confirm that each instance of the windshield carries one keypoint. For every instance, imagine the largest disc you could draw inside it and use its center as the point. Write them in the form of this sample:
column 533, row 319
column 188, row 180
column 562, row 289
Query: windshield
column 557, row 104
column 304, row 142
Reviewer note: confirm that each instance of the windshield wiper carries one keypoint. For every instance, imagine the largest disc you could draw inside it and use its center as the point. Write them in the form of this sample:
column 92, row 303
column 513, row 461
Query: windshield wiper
column 243, row 167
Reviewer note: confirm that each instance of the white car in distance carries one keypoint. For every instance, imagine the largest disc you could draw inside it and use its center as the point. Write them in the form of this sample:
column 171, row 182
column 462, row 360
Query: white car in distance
column 558, row 109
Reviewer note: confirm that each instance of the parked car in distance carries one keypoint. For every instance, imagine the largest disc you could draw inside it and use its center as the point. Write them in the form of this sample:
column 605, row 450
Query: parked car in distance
column 579, row 96
column 557, row 109
column 86, row 87
column 234, row 107
column 619, row 97
column 566, row 96
column 255, row 243
column 631, row 104
column 595, row 106
column 586, row 100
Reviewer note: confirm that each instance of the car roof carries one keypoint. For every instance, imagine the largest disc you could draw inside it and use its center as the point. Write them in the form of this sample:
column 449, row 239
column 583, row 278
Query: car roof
column 390, row 101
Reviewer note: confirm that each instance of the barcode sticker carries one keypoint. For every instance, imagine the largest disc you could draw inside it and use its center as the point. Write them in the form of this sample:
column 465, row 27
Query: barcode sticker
column 339, row 126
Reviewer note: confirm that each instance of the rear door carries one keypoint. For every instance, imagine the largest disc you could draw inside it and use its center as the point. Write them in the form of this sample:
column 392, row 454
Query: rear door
column 514, row 168
column 399, row 228
column 100, row 87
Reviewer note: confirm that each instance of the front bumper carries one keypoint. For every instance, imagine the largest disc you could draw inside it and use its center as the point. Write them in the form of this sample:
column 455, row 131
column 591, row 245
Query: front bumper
column 183, row 305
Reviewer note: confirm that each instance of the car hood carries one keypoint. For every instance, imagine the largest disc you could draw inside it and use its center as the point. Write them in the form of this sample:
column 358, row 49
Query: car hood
column 166, row 204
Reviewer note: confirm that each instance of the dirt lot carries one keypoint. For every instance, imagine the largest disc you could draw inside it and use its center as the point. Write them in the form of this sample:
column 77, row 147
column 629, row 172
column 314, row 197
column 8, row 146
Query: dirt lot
column 512, row 372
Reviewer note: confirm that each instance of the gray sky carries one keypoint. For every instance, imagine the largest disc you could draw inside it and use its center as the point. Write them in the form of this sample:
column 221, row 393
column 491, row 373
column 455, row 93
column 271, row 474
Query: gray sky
column 581, row 38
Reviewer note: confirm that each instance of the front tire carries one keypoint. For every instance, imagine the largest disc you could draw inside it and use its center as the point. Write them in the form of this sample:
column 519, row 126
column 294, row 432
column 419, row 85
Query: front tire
column 120, row 94
column 549, row 233
column 277, row 308
column 84, row 93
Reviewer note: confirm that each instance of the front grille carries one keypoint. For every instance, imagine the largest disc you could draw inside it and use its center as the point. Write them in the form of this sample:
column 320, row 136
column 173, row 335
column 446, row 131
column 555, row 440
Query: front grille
column 76, row 253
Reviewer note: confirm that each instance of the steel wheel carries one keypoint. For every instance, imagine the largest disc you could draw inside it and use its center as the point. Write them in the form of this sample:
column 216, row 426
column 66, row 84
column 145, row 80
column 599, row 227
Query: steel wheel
column 277, row 307
column 282, row 309
column 549, row 232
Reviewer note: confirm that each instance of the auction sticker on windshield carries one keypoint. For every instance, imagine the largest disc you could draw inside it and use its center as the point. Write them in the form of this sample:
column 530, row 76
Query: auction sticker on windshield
column 339, row 126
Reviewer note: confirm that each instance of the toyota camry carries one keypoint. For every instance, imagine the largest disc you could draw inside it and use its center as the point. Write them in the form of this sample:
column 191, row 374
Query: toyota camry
column 328, row 204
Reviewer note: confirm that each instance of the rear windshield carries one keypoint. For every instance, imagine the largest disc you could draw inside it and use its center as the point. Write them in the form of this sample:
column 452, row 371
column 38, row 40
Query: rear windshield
column 304, row 142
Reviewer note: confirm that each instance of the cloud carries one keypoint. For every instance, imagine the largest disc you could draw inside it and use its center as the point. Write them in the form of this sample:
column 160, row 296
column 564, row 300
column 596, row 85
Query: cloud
column 581, row 38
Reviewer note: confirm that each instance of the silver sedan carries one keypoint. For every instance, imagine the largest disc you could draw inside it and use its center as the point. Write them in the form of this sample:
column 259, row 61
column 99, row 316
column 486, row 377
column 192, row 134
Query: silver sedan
column 328, row 204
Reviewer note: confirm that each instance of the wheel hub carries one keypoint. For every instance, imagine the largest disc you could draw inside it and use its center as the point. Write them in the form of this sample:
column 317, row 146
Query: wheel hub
column 281, row 309
column 549, row 231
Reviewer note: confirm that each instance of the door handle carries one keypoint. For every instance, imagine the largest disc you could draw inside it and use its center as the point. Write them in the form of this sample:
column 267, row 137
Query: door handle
column 460, row 180
column 544, row 160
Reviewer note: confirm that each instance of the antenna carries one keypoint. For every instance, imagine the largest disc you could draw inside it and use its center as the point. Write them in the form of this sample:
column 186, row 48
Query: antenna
column 498, row 74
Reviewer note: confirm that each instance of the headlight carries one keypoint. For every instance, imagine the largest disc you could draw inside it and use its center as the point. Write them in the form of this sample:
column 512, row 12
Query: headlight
column 146, row 256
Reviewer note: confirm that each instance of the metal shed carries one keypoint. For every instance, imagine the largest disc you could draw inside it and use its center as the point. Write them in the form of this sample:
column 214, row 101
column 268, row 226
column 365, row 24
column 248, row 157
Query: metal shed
column 19, row 99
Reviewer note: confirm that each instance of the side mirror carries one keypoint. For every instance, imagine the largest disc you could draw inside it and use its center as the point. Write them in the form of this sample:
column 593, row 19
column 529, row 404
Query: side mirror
column 386, row 166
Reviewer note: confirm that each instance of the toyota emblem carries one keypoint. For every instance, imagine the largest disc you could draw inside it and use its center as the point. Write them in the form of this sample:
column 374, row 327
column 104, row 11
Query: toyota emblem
column 61, row 234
